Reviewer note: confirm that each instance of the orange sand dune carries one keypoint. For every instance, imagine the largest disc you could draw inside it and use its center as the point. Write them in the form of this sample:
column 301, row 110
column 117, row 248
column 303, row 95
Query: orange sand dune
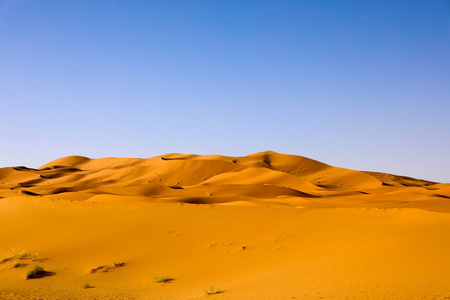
column 262, row 226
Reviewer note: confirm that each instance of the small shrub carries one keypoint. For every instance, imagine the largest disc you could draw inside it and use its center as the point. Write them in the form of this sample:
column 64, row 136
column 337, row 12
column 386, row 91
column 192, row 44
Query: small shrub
column 87, row 286
column 212, row 290
column 16, row 263
column 159, row 279
column 36, row 271
column 22, row 255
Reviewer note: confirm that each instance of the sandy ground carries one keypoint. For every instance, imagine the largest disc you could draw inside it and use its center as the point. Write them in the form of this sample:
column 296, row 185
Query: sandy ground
column 263, row 226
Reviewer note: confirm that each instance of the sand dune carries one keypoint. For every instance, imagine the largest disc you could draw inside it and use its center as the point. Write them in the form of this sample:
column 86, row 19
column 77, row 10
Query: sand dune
column 262, row 226
column 265, row 175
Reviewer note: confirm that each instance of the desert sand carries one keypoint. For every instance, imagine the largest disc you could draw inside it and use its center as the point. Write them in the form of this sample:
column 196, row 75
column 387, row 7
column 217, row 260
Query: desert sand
column 262, row 226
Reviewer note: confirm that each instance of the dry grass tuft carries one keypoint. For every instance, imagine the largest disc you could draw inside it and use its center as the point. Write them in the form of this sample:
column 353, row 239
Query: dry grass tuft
column 35, row 272
column 160, row 279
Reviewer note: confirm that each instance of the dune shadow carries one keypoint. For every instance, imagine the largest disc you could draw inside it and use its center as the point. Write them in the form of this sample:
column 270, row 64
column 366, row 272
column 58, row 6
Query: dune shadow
column 22, row 168
column 175, row 187
column 29, row 193
column 440, row 196
column 329, row 186
column 174, row 158
column 203, row 200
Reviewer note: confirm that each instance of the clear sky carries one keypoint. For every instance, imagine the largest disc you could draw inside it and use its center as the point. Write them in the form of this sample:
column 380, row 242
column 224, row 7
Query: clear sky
column 356, row 84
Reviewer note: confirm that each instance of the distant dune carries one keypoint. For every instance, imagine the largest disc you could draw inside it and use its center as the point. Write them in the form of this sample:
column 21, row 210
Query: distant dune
column 258, row 179
column 262, row 226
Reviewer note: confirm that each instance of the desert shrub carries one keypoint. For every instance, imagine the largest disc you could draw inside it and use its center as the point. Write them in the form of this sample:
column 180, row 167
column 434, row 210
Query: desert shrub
column 36, row 271
column 163, row 278
column 212, row 290
column 22, row 255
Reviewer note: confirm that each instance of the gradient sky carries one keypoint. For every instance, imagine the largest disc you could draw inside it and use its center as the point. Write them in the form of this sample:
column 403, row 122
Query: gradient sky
column 356, row 84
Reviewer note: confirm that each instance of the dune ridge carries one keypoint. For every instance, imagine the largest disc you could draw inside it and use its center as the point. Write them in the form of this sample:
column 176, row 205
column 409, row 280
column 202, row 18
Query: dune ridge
column 261, row 178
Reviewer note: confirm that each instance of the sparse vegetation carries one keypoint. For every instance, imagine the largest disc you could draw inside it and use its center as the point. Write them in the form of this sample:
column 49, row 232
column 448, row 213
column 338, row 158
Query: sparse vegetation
column 17, row 257
column 22, row 255
column 212, row 290
column 87, row 286
column 35, row 272
column 103, row 269
column 107, row 268
column 159, row 279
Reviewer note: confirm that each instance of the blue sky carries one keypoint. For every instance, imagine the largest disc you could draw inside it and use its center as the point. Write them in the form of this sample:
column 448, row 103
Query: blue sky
column 357, row 84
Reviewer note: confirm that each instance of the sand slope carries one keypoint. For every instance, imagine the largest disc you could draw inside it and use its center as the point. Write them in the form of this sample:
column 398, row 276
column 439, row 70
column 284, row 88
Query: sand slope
column 263, row 226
